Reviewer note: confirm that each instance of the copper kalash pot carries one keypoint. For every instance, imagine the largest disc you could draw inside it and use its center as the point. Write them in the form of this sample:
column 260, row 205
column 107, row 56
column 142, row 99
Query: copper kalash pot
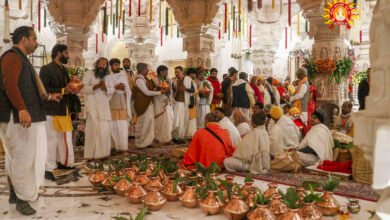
column 261, row 213
column 301, row 195
column 135, row 193
column 245, row 189
column 153, row 200
column 170, row 192
column 142, row 178
column 122, row 187
column 292, row 214
column 251, row 199
column 110, row 182
column 310, row 212
column 189, row 198
column 211, row 205
column 272, row 189
column 97, row 178
column 154, row 183
column 276, row 206
column 329, row 206
column 236, row 209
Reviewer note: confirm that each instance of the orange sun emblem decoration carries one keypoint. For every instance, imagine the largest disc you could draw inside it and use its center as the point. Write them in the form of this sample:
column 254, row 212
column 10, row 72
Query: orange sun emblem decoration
column 340, row 12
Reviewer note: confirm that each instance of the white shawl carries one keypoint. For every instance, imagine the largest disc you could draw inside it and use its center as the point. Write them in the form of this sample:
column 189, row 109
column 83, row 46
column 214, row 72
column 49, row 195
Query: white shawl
column 121, row 77
column 284, row 135
column 234, row 134
column 320, row 140
column 253, row 150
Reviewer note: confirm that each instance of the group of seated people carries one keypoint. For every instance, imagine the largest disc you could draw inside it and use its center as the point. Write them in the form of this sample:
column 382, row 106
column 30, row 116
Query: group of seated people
column 271, row 138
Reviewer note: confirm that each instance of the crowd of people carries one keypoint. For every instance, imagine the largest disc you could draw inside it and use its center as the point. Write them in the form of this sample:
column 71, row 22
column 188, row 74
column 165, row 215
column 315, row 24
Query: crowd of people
column 250, row 125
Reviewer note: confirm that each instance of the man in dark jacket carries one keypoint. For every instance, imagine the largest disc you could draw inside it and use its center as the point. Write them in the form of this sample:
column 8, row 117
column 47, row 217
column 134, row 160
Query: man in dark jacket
column 363, row 90
column 22, row 120
column 227, row 83
column 58, row 123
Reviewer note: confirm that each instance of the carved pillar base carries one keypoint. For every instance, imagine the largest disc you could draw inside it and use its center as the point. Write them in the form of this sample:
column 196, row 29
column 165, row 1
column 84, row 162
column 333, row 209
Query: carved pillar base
column 199, row 47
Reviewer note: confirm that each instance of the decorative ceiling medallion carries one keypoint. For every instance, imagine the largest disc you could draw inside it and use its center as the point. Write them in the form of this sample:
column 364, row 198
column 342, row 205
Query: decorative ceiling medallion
column 340, row 12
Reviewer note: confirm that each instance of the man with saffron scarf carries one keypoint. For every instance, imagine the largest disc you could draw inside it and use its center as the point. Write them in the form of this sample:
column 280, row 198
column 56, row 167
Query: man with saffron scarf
column 209, row 144
column 301, row 97
column 258, row 95
column 217, row 94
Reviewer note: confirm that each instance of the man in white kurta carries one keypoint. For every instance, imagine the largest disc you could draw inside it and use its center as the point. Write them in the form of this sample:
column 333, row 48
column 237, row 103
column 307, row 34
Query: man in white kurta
column 284, row 134
column 252, row 152
column 193, row 105
column 183, row 88
column 120, row 107
column 226, row 123
column 144, row 92
column 205, row 95
column 98, row 89
column 163, row 111
column 318, row 143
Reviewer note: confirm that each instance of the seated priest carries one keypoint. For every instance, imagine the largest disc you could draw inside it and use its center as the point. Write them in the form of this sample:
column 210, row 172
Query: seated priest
column 343, row 123
column 318, row 143
column 242, row 123
column 252, row 153
column 284, row 134
column 209, row 144
column 226, row 123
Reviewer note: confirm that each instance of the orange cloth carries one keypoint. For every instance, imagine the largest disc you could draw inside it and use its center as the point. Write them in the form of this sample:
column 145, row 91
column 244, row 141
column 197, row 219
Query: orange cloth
column 298, row 103
column 205, row 148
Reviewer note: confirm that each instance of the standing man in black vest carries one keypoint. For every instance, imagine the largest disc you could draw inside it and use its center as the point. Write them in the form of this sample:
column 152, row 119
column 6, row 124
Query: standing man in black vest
column 58, row 123
column 243, row 98
column 22, row 120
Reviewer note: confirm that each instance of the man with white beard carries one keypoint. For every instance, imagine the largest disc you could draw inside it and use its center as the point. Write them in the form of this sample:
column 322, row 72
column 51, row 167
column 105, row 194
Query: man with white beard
column 163, row 112
column 120, row 106
column 98, row 90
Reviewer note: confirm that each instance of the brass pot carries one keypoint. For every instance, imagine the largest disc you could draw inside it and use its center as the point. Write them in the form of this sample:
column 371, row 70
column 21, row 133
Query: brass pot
column 134, row 167
column 170, row 192
column 130, row 172
column 229, row 178
column 108, row 183
column 97, row 178
column 122, row 187
column 142, row 178
column 330, row 206
column 261, row 213
column 272, row 189
column 251, row 199
column 162, row 175
column 310, row 212
column 154, row 183
column 301, row 195
column 211, row 205
column 292, row 214
column 276, row 206
column 353, row 206
column 189, row 198
column 135, row 193
column 153, row 200
column 236, row 209
column 245, row 189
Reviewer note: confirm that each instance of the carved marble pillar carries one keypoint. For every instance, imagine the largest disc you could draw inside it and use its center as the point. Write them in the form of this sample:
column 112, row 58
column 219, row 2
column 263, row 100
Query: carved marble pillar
column 328, row 44
column 372, row 126
column 72, row 21
column 262, row 61
column 141, row 37
column 194, row 18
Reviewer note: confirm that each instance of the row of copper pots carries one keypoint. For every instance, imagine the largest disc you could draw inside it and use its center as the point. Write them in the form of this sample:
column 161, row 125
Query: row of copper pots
column 152, row 192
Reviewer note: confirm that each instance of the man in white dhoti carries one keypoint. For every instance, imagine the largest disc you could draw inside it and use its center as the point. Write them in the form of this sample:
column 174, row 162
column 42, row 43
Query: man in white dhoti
column 163, row 111
column 58, row 122
column 144, row 91
column 22, row 120
column 205, row 95
column 284, row 134
column 120, row 107
column 252, row 152
column 193, row 105
column 183, row 88
column 318, row 143
column 126, row 63
column 98, row 90
column 226, row 123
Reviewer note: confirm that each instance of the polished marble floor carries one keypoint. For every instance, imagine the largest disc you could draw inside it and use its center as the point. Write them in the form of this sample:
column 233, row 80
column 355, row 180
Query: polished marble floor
column 79, row 200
